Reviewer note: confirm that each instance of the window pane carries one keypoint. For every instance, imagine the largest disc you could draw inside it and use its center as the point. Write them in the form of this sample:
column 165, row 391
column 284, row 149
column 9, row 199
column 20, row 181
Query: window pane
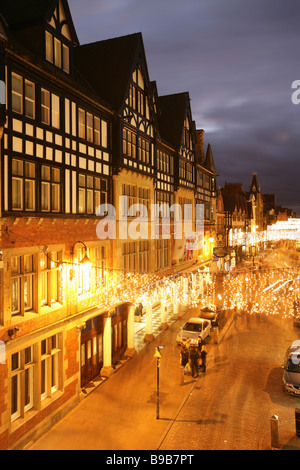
column 29, row 99
column 44, row 288
column 15, row 361
column 28, row 263
column 28, row 389
column 57, row 53
column 49, row 47
column 45, row 197
column 16, row 93
column 55, row 111
column 28, row 292
column 97, row 131
column 81, row 200
column 55, row 197
column 28, row 355
column 46, row 173
column 30, row 194
column 16, row 194
column 45, row 106
column 30, row 170
column 66, row 59
column 15, row 296
column 54, row 286
column 89, row 202
column 81, row 123
column 55, row 175
column 89, row 127
column 104, row 133
column 14, row 394
column 17, row 167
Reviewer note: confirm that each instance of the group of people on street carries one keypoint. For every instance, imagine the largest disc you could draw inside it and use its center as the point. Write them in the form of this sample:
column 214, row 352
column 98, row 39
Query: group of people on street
column 193, row 358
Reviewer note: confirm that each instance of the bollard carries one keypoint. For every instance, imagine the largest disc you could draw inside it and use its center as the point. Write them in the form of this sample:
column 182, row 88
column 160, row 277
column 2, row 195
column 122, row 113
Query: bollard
column 297, row 421
column 274, row 432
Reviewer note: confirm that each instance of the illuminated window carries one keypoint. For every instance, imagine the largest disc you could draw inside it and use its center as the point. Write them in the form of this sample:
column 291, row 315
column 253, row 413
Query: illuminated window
column 56, row 52
column 92, row 191
column 50, row 109
column 23, row 89
column 51, row 365
column 129, row 256
column 22, row 276
column 50, row 189
column 23, row 185
column 21, row 380
column 50, row 279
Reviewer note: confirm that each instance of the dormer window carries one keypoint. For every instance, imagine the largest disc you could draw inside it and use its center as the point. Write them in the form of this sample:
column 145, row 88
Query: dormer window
column 57, row 53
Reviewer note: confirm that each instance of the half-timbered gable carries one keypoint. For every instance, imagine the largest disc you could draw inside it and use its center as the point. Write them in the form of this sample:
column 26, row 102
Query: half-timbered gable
column 57, row 142
column 206, row 184
column 177, row 127
column 119, row 73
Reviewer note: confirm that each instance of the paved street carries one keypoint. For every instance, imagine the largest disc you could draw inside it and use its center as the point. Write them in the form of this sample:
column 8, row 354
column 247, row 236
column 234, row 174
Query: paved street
column 231, row 407
column 227, row 408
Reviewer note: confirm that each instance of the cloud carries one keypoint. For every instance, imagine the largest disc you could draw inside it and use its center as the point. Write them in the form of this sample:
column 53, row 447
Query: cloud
column 237, row 60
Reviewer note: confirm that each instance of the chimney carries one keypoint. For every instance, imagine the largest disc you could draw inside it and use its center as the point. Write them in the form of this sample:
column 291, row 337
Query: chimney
column 200, row 157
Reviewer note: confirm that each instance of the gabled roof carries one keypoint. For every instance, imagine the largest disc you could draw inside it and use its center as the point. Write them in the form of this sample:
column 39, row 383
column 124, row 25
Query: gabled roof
column 22, row 12
column 255, row 186
column 209, row 160
column 234, row 197
column 25, row 13
column 107, row 65
column 173, row 109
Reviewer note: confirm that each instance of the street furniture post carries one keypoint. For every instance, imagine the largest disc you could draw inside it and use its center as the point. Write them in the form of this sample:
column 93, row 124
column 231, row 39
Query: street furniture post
column 158, row 356
column 297, row 421
column 274, row 432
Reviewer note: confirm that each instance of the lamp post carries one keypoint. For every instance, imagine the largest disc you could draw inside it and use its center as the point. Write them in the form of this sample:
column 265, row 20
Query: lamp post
column 158, row 356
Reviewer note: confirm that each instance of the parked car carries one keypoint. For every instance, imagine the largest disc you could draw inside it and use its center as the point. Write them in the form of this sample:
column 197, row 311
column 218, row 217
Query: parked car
column 194, row 329
column 210, row 314
column 291, row 366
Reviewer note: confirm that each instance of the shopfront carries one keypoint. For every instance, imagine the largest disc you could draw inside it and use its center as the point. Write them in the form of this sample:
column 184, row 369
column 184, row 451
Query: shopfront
column 92, row 342
column 91, row 349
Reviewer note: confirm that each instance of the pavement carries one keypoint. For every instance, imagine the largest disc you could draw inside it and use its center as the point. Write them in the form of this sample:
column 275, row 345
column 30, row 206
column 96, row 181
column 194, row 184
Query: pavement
column 123, row 413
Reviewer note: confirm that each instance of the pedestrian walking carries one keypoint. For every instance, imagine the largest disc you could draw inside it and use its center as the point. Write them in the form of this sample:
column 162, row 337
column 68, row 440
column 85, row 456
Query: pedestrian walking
column 194, row 356
column 203, row 359
column 184, row 356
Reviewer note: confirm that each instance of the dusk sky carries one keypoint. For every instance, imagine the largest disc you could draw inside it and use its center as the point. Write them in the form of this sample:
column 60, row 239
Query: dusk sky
column 238, row 60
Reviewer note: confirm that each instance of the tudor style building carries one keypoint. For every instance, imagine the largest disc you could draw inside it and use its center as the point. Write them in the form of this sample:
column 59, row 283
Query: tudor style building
column 83, row 126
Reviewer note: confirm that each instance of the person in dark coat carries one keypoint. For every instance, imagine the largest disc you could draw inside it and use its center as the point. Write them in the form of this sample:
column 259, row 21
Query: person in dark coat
column 194, row 356
column 184, row 356
column 203, row 359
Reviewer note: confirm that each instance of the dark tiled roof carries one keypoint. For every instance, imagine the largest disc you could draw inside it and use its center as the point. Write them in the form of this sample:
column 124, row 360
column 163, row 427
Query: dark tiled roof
column 17, row 12
column 107, row 65
column 24, row 13
column 172, row 114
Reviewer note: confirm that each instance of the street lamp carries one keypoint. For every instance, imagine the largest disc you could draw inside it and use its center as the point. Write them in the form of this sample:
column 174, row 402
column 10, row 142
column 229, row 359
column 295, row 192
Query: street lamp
column 85, row 261
column 158, row 356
